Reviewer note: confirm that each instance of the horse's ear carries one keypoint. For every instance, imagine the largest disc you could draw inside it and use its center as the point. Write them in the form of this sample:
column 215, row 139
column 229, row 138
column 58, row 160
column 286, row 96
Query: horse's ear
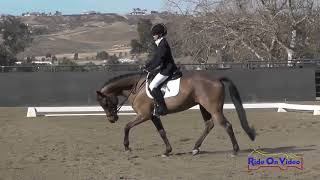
column 100, row 93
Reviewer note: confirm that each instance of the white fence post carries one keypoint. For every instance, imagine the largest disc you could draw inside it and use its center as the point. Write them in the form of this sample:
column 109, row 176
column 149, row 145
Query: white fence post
column 31, row 112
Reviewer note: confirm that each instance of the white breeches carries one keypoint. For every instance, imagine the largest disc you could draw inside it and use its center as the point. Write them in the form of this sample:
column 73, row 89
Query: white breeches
column 157, row 80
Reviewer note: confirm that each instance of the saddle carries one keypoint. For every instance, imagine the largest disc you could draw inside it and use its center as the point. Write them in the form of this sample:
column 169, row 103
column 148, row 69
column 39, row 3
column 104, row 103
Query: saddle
column 170, row 87
column 176, row 74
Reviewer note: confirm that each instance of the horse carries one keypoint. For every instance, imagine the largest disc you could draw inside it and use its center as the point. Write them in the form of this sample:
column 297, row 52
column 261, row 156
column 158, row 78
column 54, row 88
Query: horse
column 195, row 89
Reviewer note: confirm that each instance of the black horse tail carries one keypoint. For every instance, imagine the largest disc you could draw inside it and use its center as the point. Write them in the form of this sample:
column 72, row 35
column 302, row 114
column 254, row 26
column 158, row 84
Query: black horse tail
column 235, row 97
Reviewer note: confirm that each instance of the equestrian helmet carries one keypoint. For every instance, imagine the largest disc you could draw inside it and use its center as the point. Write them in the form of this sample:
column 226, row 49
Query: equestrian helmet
column 159, row 29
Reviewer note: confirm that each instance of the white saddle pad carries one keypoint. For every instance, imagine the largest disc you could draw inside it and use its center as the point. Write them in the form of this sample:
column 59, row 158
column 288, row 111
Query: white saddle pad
column 170, row 89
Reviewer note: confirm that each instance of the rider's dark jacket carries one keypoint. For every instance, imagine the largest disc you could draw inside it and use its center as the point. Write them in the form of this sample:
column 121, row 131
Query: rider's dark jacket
column 162, row 58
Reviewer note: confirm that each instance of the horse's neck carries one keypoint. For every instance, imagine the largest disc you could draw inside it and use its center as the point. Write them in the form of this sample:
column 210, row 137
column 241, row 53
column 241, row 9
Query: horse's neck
column 120, row 85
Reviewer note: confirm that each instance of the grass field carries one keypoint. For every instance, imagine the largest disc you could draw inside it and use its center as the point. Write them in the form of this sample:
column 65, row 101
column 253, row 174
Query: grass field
column 90, row 148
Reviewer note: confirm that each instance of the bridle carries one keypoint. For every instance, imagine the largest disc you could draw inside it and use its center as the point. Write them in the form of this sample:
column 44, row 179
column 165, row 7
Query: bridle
column 133, row 90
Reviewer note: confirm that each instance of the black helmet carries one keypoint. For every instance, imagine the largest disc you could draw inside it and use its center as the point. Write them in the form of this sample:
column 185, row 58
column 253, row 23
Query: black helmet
column 159, row 29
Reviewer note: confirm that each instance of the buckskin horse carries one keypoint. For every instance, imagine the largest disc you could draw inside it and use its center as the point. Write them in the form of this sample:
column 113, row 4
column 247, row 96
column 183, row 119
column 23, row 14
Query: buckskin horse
column 195, row 89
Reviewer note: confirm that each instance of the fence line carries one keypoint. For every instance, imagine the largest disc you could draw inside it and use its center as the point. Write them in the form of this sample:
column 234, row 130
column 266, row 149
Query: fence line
column 127, row 110
column 305, row 63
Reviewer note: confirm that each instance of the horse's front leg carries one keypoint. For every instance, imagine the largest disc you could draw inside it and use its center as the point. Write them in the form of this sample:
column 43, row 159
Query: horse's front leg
column 157, row 122
column 127, row 128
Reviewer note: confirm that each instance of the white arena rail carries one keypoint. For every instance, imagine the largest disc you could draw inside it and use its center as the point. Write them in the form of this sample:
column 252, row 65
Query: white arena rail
column 127, row 110
column 284, row 107
column 74, row 111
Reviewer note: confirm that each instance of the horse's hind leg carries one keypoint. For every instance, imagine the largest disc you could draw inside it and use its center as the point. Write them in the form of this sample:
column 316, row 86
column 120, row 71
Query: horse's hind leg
column 218, row 115
column 209, row 125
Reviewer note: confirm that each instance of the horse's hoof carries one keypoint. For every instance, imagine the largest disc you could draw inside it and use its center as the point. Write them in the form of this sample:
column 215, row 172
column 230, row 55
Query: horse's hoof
column 127, row 150
column 164, row 155
column 195, row 152
column 234, row 154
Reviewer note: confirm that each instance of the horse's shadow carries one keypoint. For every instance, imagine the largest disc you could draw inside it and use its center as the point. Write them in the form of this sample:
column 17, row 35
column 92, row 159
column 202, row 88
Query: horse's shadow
column 284, row 149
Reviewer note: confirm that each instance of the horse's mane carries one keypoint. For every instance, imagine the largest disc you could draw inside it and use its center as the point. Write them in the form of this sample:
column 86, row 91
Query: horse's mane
column 121, row 77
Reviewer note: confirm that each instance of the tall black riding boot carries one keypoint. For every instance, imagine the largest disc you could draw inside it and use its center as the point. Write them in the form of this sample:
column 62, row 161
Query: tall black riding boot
column 160, row 105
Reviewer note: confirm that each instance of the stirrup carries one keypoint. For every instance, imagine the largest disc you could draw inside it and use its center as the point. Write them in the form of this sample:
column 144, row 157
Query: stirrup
column 157, row 112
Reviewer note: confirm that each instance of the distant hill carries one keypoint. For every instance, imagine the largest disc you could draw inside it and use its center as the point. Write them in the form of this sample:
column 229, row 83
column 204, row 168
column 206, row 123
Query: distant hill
column 81, row 33
column 67, row 22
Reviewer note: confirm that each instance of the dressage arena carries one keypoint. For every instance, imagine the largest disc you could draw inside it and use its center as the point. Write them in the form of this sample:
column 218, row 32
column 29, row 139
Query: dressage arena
column 90, row 148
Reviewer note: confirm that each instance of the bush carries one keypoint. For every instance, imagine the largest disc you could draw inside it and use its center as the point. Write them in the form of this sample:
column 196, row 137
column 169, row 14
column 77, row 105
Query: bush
column 39, row 31
column 69, row 65
column 113, row 60
column 67, row 62
column 90, row 66
column 102, row 55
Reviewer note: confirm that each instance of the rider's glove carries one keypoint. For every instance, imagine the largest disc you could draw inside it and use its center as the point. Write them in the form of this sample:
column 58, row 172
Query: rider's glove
column 144, row 68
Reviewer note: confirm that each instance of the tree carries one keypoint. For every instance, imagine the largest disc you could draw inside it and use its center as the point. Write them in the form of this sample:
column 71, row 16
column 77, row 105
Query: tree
column 54, row 59
column 146, row 40
column 113, row 60
column 29, row 60
column 136, row 47
column 266, row 30
column 48, row 55
column 16, row 37
column 76, row 56
column 102, row 55
column 6, row 56
column 145, row 43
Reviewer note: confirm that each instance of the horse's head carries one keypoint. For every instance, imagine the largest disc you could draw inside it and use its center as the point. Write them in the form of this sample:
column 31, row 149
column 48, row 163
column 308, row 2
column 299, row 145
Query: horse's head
column 109, row 105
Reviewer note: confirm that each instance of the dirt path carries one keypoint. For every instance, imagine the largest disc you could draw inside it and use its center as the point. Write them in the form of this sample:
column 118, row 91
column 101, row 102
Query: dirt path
column 90, row 148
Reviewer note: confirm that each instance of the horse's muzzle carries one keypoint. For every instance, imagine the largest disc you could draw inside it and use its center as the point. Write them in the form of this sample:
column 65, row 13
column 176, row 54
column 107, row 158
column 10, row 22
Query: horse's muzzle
column 113, row 119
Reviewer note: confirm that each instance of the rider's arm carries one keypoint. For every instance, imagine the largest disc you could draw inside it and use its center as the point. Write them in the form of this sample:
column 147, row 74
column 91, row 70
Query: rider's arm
column 157, row 59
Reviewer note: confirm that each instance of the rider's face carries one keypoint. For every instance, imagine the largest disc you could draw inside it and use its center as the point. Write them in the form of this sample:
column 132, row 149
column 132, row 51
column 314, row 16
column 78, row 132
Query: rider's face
column 155, row 37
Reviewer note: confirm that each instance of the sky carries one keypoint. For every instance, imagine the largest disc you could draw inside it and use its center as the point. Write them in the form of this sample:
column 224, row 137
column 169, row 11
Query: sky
column 17, row 7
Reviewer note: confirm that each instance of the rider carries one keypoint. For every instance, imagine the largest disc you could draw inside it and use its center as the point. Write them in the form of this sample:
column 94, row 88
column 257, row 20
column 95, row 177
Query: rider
column 163, row 60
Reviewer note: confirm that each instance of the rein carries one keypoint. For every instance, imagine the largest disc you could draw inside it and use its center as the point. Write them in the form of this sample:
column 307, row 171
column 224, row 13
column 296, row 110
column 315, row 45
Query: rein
column 132, row 91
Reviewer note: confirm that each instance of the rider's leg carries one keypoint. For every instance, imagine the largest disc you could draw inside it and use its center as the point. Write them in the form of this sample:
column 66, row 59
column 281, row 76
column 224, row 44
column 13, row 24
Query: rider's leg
column 157, row 95
column 161, row 108
column 157, row 80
